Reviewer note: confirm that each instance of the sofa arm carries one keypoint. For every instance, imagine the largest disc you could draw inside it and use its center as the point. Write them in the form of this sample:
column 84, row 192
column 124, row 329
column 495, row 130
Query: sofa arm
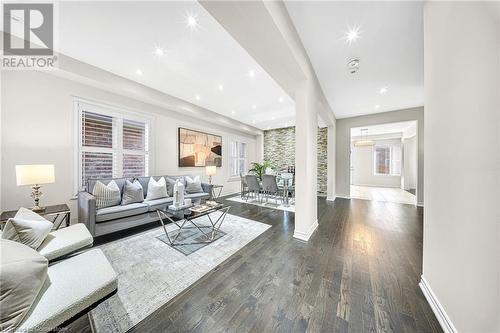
column 207, row 188
column 87, row 210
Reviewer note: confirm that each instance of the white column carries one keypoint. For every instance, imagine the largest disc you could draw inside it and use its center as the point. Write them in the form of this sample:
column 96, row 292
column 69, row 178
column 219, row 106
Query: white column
column 330, row 186
column 306, row 162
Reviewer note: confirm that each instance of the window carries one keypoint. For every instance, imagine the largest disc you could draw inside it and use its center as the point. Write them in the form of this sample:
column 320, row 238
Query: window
column 111, row 144
column 238, row 158
column 387, row 160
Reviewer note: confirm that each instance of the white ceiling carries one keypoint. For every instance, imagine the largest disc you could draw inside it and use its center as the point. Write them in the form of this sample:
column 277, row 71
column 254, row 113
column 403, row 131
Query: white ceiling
column 121, row 37
column 389, row 128
column 390, row 49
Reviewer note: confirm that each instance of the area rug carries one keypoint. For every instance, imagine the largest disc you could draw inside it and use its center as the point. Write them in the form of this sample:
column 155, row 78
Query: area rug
column 270, row 204
column 150, row 272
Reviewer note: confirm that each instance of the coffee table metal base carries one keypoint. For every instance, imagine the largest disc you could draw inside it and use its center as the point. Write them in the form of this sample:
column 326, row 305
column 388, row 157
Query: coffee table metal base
column 183, row 222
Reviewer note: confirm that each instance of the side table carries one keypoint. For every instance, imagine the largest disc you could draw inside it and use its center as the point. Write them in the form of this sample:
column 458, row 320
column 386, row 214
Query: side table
column 57, row 214
column 216, row 191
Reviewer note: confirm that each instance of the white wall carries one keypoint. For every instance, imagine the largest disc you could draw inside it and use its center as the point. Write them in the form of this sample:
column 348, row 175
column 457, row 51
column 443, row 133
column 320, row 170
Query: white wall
column 362, row 163
column 38, row 127
column 343, row 144
column 409, row 179
column 461, row 249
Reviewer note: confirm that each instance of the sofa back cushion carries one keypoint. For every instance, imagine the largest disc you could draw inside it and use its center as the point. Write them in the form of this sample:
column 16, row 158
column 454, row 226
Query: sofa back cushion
column 157, row 189
column 27, row 227
column 24, row 272
column 106, row 195
column 193, row 185
column 132, row 193
column 119, row 181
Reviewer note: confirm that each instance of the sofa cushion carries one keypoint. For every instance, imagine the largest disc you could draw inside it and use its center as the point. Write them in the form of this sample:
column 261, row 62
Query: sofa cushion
column 132, row 193
column 65, row 241
column 24, row 272
column 106, row 195
column 27, row 227
column 197, row 195
column 117, row 212
column 64, row 297
column 119, row 181
column 159, row 203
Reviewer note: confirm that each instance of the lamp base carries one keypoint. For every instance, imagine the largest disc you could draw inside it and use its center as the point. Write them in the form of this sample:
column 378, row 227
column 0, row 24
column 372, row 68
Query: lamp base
column 38, row 209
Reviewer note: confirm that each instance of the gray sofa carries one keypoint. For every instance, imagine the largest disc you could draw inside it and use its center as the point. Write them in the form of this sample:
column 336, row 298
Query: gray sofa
column 110, row 219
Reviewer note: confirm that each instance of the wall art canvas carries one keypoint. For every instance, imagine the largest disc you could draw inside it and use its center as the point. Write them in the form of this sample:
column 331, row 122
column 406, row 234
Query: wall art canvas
column 199, row 149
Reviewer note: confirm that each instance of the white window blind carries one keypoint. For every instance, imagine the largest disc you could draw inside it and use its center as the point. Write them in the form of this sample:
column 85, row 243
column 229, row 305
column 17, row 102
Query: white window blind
column 238, row 158
column 111, row 145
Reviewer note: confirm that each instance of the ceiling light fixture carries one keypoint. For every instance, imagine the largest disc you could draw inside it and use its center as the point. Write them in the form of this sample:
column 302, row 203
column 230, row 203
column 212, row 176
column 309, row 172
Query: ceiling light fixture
column 272, row 118
column 377, row 106
column 191, row 21
column 254, row 106
column 251, row 73
column 351, row 35
column 281, row 99
column 383, row 90
column 220, row 87
column 364, row 142
column 233, row 113
column 253, row 121
column 138, row 72
column 159, row 51
column 197, row 97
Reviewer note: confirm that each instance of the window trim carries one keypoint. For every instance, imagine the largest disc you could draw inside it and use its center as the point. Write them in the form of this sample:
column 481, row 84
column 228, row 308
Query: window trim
column 374, row 155
column 118, row 113
column 231, row 158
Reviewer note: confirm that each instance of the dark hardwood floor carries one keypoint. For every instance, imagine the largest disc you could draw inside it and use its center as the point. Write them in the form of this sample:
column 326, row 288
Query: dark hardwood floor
column 358, row 273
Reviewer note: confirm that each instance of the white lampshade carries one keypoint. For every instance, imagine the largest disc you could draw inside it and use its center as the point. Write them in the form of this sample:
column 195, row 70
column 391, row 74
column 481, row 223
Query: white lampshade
column 35, row 174
column 211, row 170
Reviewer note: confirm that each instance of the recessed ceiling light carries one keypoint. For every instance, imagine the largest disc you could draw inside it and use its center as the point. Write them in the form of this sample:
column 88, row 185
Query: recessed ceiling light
column 233, row 113
column 383, row 90
column 281, row 99
column 159, row 51
column 191, row 21
column 138, row 72
column 351, row 35
column 253, row 121
column 254, row 106
column 251, row 73
column 377, row 106
column 220, row 87
column 272, row 118
column 197, row 97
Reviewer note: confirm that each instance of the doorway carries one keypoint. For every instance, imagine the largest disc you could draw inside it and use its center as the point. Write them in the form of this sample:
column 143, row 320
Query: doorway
column 384, row 162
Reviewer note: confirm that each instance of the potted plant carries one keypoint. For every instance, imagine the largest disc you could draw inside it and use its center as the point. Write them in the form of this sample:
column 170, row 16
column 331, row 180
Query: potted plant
column 259, row 169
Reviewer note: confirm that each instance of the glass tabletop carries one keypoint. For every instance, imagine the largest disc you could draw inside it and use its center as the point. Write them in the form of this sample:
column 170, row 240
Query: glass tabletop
column 194, row 211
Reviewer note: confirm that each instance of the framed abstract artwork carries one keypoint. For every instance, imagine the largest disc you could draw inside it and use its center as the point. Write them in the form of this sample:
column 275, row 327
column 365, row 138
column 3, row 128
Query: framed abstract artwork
column 199, row 149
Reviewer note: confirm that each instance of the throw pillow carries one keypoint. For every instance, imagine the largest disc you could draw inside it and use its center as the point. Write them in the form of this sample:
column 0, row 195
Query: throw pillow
column 27, row 227
column 106, row 195
column 132, row 193
column 157, row 189
column 193, row 185
column 24, row 272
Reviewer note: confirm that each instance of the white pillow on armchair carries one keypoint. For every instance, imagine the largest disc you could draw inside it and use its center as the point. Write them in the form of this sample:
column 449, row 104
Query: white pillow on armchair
column 27, row 227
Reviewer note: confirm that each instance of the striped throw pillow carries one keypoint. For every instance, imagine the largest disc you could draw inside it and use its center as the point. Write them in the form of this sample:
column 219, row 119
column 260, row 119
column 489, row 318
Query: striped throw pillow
column 106, row 195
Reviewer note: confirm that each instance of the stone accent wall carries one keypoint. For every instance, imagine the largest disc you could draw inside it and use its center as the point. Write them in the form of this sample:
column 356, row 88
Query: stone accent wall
column 279, row 149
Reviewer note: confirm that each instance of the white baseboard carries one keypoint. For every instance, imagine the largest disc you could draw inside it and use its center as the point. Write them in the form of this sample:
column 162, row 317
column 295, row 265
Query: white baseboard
column 436, row 307
column 304, row 236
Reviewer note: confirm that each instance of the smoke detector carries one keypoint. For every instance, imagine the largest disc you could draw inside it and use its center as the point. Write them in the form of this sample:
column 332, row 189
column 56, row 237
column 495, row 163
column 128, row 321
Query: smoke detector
column 353, row 66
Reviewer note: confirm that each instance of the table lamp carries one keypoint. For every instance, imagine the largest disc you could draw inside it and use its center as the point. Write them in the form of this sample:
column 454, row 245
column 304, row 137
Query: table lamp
column 35, row 175
column 211, row 171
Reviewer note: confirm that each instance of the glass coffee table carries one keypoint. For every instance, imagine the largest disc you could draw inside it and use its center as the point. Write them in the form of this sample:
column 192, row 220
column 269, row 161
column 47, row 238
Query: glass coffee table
column 182, row 218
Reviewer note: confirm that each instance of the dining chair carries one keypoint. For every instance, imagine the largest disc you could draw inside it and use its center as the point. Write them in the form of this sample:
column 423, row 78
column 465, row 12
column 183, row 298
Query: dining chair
column 270, row 187
column 253, row 186
column 243, row 185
